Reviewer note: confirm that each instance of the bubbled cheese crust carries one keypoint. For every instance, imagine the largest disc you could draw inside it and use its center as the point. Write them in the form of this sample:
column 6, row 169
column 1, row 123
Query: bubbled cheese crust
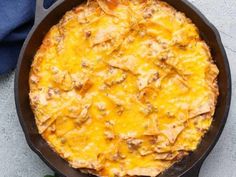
column 123, row 88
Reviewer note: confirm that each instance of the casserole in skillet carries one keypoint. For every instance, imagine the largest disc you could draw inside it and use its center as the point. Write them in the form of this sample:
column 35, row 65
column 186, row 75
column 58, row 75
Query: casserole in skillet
column 46, row 18
column 123, row 88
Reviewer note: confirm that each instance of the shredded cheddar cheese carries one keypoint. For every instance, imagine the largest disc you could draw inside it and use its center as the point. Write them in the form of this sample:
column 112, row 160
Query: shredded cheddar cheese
column 123, row 88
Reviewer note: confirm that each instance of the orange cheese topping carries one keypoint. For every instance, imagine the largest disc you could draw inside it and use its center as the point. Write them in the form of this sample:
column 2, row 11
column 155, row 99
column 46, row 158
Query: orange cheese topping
column 123, row 88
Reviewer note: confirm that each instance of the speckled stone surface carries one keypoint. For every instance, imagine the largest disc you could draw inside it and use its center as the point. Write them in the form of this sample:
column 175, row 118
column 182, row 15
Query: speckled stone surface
column 17, row 160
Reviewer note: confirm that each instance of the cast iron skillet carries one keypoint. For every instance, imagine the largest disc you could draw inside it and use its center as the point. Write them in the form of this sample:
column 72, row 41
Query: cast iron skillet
column 44, row 19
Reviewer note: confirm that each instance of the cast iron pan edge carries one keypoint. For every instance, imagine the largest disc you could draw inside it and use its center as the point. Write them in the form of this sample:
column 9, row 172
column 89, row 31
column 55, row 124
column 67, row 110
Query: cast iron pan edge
column 193, row 171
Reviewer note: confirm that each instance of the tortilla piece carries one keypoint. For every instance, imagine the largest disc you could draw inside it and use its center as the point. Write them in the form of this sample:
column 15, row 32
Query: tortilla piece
column 202, row 109
column 152, row 172
column 42, row 127
column 173, row 132
column 128, row 63
column 211, row 73
column 86, row 164
column 108, row 6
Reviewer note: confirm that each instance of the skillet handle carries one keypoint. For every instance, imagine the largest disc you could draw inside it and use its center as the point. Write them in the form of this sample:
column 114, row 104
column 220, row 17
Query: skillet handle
column 194, row 172
column 56, row 175
column 40, row 11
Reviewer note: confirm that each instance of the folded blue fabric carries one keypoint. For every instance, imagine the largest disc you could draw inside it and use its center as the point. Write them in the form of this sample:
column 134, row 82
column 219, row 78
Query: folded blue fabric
column 16, row 20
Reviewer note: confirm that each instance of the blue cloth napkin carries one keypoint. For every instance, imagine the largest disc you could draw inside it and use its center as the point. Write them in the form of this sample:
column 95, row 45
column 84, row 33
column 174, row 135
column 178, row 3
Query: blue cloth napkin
column 16, row 20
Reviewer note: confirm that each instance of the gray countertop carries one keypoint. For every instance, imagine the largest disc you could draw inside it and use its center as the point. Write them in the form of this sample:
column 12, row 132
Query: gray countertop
column 17, row 160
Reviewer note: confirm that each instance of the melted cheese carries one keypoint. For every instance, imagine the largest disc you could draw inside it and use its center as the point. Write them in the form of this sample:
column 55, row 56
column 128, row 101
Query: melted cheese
column 123, row 88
